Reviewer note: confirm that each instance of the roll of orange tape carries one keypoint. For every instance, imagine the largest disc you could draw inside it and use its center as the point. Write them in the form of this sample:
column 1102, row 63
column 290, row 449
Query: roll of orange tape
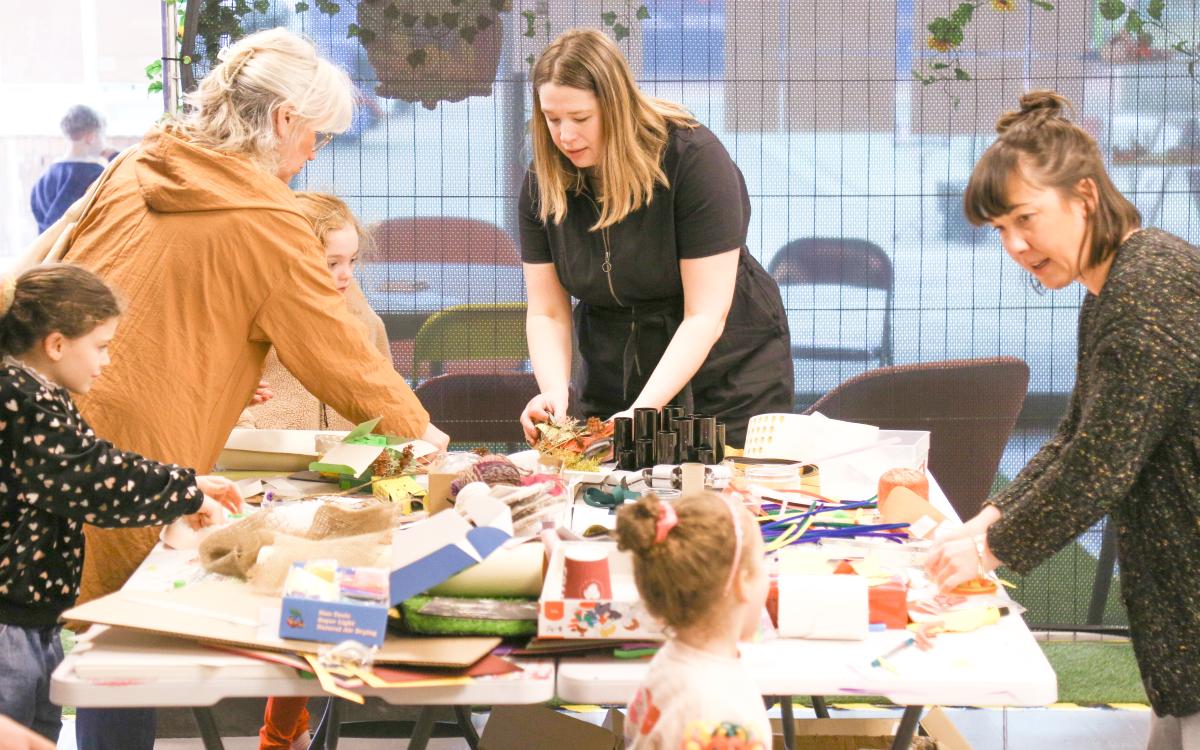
column 900, row 477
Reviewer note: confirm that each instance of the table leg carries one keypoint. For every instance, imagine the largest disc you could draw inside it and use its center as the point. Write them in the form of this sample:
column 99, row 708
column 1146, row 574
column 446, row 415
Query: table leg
column 328, row 728
column 819, row 707
column 788, row 719
column 209, row 734
column 463, row 714
column 908, row 727
column 423, row 729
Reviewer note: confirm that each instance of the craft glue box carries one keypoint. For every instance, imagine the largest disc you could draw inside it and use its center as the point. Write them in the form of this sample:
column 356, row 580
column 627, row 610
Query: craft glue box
column 324, row 602
column 620, row 616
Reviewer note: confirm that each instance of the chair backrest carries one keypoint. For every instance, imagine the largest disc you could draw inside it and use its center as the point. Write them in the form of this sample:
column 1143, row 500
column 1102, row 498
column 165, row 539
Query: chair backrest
column 832, row 260
column 969, row 406
column 472, row 333
column 477, row 408
column 843, row 262
column 444, row 239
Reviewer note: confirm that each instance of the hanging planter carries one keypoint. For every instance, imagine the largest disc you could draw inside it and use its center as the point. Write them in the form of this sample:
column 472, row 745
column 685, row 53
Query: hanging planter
column 429, row 51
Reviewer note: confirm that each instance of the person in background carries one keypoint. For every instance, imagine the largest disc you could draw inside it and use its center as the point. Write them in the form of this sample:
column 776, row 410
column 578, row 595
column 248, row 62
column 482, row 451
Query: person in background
column 66, row 180
column 699, row 567
column 1127, row 446
column 55, row 475
column 292, row 407
column 14, row 736
column 285, row 722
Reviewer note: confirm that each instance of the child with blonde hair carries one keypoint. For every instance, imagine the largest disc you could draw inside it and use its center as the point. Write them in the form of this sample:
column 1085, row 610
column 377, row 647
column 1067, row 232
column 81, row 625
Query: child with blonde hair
column 56, row 475
column 699, row 567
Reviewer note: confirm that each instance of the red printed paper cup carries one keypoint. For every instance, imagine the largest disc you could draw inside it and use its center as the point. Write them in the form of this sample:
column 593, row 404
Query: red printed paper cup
column 585, row 574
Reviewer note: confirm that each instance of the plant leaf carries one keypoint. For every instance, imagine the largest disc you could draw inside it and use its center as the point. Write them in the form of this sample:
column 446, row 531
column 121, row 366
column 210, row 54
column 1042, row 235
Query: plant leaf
column 366, row 36
column 643, row 13
column 608, row 18
column 468, row 33
column 483, row 21
column 1042, row 4
column 391, row 12
column 1133, row 22
column 352, row 31
column 408, row 20
column 1191, row 68
column 1155, row 9
column 262, row 6
column 620, row 31
column 940, row 65
column 450, row 20
column 530, row 18
column 501, row 5
column 301, row 6
column 962, row 14
column 416, row 58
column 961, row 75
column 154, row 69
column 1111, row 10
column 155, row 87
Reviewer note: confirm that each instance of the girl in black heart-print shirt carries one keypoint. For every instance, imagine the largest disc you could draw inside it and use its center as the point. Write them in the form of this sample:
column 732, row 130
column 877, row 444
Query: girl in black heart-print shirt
column 56, row 474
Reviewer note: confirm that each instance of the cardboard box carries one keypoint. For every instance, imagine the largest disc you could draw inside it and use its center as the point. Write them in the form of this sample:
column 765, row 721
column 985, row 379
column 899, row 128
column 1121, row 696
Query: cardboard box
column 623, row 617
column 524, row 727
column 429, row 552
column 871, row 734
column 270, row 450
column 352, row 605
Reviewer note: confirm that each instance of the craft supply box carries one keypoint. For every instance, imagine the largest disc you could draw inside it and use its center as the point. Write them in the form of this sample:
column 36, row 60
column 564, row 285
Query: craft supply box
column 623, row 617
column 307, row 619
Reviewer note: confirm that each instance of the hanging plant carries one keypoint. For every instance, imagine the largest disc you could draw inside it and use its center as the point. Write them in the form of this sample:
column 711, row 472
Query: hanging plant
column 432, row 50
column 1133, row 43
column 423, row 50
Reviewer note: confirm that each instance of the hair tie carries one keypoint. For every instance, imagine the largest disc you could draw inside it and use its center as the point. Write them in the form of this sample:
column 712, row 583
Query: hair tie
column 667, row 518
column 8, row 293
column 238, row 64
column 737, row 543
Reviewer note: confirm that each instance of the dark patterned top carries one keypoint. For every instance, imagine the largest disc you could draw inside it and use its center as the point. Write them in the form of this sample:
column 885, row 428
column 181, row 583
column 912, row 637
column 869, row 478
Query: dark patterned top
column 1129, row 446
column 56, row 475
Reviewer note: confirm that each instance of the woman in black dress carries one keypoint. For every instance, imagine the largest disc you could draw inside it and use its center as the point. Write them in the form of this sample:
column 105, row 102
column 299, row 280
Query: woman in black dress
column 635, row 209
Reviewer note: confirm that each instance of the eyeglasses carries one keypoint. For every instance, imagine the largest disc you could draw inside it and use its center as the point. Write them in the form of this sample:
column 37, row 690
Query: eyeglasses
column 322, row 140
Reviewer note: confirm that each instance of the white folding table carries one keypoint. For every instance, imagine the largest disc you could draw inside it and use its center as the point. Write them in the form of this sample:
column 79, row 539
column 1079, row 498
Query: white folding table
column 999, row 665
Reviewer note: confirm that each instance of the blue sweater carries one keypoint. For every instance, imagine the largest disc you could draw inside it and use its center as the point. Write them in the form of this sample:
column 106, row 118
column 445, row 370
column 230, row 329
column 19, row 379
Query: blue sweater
column 63, row 183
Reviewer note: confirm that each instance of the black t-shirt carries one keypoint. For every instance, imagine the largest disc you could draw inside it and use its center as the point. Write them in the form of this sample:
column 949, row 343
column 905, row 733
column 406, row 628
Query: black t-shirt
column 704, row 210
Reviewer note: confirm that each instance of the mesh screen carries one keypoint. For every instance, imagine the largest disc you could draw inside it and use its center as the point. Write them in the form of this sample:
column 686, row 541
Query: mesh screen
column 850, row 127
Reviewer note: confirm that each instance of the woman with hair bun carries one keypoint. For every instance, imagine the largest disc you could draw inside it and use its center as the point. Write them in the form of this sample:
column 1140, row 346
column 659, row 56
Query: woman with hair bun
column 198, row 229
column 1127, row 447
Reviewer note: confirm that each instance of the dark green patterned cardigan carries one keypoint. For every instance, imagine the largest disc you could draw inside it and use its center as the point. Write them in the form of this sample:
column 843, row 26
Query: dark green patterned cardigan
column 1130, row 447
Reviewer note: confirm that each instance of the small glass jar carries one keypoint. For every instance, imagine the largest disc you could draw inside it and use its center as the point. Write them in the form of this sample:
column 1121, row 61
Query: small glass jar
column 663, row 493
column 774, row 476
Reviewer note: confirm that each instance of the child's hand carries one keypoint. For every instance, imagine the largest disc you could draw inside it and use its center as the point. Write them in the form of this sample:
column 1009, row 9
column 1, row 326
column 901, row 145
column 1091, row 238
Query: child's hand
column 211, row 513
column 925, row 632
column 223, row 491
column 14, row 736
column 262, row 394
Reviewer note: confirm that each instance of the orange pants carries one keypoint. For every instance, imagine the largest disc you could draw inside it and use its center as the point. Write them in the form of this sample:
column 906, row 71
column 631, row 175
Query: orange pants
column 284, row 720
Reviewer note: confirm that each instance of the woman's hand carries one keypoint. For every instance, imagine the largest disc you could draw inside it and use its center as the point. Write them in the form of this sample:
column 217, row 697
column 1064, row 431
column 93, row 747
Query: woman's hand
column 262, row 394
column 954, row 562
column 223, row 491
column 542, row 408
column 436, row 437
column 211, row 513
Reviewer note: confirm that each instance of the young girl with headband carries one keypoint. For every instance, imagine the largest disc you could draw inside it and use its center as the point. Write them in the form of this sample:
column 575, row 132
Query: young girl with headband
column 56, row 475
column 699, row 568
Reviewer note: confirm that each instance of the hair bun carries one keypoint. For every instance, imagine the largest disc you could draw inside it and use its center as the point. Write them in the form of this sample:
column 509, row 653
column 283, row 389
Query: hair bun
column 1037, row 108
column 8, row 293
column 636, row 523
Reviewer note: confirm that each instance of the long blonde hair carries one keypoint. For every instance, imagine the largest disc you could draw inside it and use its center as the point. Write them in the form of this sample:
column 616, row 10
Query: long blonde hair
column 233, row 108
column 329, row 213
column 634, row 126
